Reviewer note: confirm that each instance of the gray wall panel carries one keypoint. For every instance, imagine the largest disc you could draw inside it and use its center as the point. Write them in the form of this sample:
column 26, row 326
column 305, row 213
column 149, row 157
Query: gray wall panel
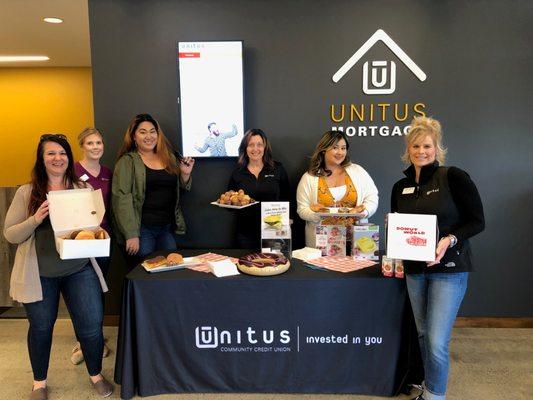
column 478, row 58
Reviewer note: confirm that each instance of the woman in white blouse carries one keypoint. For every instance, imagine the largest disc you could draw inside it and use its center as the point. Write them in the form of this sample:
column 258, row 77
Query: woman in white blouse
column 332, row 180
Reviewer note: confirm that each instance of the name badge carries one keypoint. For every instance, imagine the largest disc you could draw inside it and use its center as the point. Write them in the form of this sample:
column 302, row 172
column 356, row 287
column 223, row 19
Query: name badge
column 409, row 190
column 84, row 178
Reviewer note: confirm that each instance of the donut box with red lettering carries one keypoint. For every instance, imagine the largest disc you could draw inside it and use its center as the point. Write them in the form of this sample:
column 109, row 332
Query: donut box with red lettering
column 411, row 236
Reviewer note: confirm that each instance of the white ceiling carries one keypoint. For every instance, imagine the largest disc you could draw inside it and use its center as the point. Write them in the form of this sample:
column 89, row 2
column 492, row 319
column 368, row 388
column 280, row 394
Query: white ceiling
column 22, row 32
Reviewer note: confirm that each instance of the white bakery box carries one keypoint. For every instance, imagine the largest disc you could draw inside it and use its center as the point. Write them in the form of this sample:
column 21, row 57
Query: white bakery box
column 77, row 209
column 412, row 236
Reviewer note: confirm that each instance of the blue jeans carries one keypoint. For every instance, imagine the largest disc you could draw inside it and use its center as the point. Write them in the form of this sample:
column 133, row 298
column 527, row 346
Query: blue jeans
column 156, row 238
column 82, row 293
column 435, row 299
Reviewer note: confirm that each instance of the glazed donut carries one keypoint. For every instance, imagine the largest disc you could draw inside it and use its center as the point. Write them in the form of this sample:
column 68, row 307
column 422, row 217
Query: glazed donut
column 85, row 235
column 73, row 235
column 263, row 264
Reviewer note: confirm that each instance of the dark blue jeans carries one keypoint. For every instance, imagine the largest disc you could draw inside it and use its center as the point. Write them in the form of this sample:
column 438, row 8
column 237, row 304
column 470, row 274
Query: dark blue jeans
column 156, row 238
column 82, row 293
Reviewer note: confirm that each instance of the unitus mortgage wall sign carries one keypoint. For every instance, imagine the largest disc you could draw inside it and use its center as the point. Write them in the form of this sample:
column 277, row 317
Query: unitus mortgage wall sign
column 378, row 78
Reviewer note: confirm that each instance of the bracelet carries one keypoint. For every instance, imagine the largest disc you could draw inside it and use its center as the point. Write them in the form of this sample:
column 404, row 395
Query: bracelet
column 453, row 240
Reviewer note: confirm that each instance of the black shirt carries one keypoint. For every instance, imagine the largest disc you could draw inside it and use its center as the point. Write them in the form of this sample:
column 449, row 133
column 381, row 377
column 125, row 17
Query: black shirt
column 159, row 198
column 50, row 265
column 272, row 184
column 450, row 194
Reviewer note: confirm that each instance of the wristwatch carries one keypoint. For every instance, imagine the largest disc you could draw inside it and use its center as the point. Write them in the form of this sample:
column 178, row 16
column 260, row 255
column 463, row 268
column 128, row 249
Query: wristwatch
column 453, row 240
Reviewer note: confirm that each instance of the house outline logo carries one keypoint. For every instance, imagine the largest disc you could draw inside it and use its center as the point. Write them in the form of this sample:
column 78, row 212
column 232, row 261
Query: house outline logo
column 386, row 71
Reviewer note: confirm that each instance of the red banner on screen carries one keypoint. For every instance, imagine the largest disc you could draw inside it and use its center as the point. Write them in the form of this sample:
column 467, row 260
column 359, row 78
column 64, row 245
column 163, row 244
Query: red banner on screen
column 189, row 55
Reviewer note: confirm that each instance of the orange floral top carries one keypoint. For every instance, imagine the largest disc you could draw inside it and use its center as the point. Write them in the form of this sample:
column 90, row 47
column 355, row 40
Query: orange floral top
column 325, row 198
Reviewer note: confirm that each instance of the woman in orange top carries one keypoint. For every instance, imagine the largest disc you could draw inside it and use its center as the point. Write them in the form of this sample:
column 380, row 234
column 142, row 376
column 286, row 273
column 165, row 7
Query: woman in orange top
column 332, row 180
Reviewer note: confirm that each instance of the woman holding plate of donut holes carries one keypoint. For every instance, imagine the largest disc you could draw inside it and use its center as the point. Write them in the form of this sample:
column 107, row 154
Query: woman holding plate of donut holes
column 146, row 190
column 333, row 180
column 39, row 275
column 436, row 289
column 260, row 177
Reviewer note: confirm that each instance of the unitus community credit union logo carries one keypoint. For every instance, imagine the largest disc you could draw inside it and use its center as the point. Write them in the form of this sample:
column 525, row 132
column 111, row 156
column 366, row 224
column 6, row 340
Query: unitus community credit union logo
column 242, row 340
column 378, row 78
column 251, row 339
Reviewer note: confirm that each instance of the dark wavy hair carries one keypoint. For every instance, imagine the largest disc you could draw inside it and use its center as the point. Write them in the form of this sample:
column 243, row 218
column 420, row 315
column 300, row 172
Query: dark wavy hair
column 243, row 161
column 163, row 148
column 39, row 177
column 317, row 166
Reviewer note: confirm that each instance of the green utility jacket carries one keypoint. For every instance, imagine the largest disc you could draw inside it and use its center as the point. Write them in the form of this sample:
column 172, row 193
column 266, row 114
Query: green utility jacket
column 127, row 197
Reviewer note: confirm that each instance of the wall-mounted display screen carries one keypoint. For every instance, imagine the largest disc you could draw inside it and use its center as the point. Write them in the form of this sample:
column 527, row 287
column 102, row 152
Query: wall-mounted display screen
column 211, row 97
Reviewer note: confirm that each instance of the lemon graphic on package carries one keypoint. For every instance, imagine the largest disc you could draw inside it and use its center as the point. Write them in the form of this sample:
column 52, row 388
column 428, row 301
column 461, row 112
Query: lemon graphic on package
column 366, row 244
column 273, row 220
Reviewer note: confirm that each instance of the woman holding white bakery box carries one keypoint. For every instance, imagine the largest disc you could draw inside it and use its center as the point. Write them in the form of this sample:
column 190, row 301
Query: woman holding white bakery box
column 39, row 275
column 332, row 180
column 436, row 289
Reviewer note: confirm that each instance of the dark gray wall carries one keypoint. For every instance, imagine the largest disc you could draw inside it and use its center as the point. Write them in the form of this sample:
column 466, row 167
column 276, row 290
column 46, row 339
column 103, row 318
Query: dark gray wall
column 478, row 58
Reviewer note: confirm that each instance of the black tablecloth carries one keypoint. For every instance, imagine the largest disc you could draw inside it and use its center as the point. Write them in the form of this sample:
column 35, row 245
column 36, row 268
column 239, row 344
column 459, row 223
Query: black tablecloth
column 306, row 331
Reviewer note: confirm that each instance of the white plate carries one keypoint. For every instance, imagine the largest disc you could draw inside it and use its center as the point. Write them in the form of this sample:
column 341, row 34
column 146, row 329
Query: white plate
column 234, row 207
column 187, row 262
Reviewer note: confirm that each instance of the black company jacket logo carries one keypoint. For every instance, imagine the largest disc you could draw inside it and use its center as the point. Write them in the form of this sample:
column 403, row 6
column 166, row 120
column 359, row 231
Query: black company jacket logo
column 386, row 83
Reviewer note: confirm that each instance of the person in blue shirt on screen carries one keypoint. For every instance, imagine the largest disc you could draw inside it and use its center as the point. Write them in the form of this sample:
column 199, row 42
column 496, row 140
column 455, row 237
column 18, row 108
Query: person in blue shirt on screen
column 216, row 141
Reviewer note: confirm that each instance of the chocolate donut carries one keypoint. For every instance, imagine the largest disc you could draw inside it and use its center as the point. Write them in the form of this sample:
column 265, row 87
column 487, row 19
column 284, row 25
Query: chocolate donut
column 263, row 264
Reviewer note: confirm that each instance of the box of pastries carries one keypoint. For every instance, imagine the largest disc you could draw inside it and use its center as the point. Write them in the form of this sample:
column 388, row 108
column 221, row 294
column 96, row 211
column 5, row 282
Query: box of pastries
column 75, row 216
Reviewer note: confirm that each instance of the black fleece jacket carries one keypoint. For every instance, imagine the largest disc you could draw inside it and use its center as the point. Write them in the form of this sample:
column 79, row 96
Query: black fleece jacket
column 449, row 193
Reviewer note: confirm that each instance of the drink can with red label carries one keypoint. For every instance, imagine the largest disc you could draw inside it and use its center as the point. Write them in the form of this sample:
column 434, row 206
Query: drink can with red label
column 398, row 269
column 387, row 266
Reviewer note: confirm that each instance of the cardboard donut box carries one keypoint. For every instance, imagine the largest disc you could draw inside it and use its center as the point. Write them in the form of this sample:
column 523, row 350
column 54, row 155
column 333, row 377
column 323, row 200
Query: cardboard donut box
column 77, row 209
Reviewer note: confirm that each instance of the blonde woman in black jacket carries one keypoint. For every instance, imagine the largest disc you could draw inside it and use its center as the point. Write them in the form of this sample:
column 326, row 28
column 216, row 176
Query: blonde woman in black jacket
column 436, row 289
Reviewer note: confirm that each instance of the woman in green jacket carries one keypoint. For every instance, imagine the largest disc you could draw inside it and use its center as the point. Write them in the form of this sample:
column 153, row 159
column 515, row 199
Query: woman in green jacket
column 146, row 188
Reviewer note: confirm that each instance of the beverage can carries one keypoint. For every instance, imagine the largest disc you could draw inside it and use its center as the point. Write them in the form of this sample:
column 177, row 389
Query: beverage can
column 398, row 269
column 387, row 266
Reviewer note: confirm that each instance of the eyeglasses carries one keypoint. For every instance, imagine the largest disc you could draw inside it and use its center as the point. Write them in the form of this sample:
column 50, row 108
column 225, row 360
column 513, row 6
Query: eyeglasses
column 48, row 136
